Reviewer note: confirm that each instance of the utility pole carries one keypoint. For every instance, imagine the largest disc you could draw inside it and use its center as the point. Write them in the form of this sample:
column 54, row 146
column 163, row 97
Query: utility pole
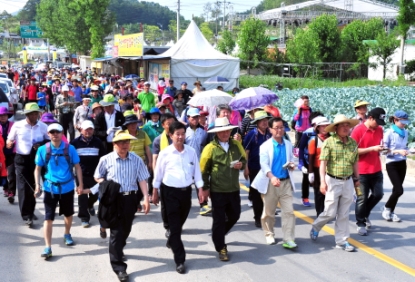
column 178, row 20
column 224, row 7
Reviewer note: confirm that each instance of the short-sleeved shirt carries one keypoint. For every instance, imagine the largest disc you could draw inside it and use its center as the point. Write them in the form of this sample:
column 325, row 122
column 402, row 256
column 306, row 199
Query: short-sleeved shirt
column 196, row 139
column 156, row 144
column 340, row 156
column 139, row 145
column 58, row 170
column 315, row 150
column 127, row 172
column 252, row 141
column 147, row 101
column 42, row 101
column 369, row 163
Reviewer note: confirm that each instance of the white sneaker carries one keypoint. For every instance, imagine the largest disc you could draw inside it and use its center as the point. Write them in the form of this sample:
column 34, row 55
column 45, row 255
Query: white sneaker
column 249, row 203
column 386, row 214
column 270, row 240
column 395, row 218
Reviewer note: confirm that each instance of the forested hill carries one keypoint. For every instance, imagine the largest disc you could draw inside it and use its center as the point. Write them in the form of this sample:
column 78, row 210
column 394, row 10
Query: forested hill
column 272, row 4
column 125, row 11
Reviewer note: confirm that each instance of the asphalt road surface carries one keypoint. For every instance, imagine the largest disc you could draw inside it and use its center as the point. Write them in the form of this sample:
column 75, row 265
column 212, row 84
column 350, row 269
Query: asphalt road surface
column 386, row 254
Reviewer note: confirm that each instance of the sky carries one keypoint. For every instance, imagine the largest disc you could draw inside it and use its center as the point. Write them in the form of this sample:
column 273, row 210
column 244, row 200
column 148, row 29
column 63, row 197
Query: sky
column 187, row 7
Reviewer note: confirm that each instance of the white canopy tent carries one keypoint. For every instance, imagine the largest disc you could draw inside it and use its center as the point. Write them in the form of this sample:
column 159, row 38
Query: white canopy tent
column 193, row 58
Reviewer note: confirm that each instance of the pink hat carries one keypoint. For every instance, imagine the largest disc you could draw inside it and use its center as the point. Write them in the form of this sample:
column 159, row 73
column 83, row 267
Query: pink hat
column 166, row 96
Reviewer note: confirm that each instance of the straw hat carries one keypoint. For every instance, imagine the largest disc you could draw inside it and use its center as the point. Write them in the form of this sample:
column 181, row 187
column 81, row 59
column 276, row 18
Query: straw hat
column 341, row 119
column 360, row 103
column 260, row 115
column 120, row 135
column 95, row 105
column 222, row 124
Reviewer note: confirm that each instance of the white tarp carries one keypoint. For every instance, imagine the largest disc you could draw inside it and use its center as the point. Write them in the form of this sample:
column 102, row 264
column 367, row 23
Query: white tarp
column 392, row 68
column 193, row 58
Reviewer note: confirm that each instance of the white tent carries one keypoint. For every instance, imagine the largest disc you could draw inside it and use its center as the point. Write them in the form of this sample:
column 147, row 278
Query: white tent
column 193, row 58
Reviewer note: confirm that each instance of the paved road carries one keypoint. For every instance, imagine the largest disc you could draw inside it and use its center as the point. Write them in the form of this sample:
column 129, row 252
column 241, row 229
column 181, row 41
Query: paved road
column 250, row 258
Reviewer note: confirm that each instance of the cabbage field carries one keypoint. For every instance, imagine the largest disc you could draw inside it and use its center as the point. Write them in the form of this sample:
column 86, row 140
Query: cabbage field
column 333, row 101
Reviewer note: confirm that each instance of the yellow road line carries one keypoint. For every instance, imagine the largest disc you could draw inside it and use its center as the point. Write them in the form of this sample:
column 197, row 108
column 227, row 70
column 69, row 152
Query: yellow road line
column 361, row 246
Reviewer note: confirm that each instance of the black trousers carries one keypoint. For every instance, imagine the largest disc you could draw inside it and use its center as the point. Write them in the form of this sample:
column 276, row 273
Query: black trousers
column 119, row 235
column 177, row 208
column 318, row 197
column 163, row 210
column 10, row 184
column 305, row 187
column 224, row 205
column 25, row 166
column 298, row 136
column 66, row 120
column 255, row 196
column 86, row 201
column 396, row 172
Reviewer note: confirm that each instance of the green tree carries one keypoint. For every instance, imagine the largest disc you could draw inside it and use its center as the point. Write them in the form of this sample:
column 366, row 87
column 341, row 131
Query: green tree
column 28, row 12
column 83, row 31
column 152, row 34
column 406, row 18
column 303, row 49
column 198, row 20
column 207, row 32
column 252, row 41
column 227, row 43
column 383, row 49
column 327, row 37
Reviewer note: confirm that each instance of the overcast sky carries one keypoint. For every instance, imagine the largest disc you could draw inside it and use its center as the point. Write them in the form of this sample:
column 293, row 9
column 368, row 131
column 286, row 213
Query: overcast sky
column 187, row 7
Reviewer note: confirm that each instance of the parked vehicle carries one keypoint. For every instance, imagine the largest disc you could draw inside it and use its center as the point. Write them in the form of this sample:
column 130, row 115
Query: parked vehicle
column 4, row 100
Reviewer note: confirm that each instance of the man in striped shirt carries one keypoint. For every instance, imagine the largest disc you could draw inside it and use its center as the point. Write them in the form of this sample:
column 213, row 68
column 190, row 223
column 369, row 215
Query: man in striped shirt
column 90, row 149
column 128, row 170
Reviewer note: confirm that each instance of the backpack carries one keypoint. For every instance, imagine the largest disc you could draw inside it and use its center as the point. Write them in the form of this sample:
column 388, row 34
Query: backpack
column 65, row 154
column 293, row 122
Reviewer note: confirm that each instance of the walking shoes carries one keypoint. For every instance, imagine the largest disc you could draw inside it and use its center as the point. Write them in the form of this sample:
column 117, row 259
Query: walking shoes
column 223, row 254
column 47, row 253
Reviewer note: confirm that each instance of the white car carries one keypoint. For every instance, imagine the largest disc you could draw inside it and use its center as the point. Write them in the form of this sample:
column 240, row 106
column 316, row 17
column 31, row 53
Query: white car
column 12, row 94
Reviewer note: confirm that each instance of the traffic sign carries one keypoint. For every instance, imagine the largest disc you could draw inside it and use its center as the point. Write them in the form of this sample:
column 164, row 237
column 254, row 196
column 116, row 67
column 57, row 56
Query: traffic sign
column 30, row 30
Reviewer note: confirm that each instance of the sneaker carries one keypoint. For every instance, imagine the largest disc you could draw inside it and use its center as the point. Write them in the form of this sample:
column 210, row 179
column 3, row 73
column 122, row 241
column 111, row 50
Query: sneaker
column 289, row 245
column 306, row 202
column 346, row 247
column 102, row 233
column 313, row 234
column 85, row 224
column 29, row 222
column 223, row 254
column 368, row 223
column 67, row 238
column 270, row 240
column 205, row 210
column 395, row 218
column 91, row 211
column 47, row 253
column 361, row 231
column 250, row 204
column 386, row 214
column 11, row 198
column 258, row 224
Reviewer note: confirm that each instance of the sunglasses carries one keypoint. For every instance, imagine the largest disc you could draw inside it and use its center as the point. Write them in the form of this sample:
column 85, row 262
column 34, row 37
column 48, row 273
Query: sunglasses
column 54, row 132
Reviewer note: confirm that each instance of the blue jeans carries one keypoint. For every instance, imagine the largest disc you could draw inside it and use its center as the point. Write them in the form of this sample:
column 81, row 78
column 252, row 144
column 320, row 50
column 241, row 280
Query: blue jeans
column 372, row 183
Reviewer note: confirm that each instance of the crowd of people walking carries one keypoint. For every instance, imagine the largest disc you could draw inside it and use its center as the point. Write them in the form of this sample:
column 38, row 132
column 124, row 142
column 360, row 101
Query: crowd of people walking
column 114, row 141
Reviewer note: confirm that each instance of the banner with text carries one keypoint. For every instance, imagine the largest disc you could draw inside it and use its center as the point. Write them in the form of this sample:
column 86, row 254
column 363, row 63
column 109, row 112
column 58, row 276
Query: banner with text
column 130, row 44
